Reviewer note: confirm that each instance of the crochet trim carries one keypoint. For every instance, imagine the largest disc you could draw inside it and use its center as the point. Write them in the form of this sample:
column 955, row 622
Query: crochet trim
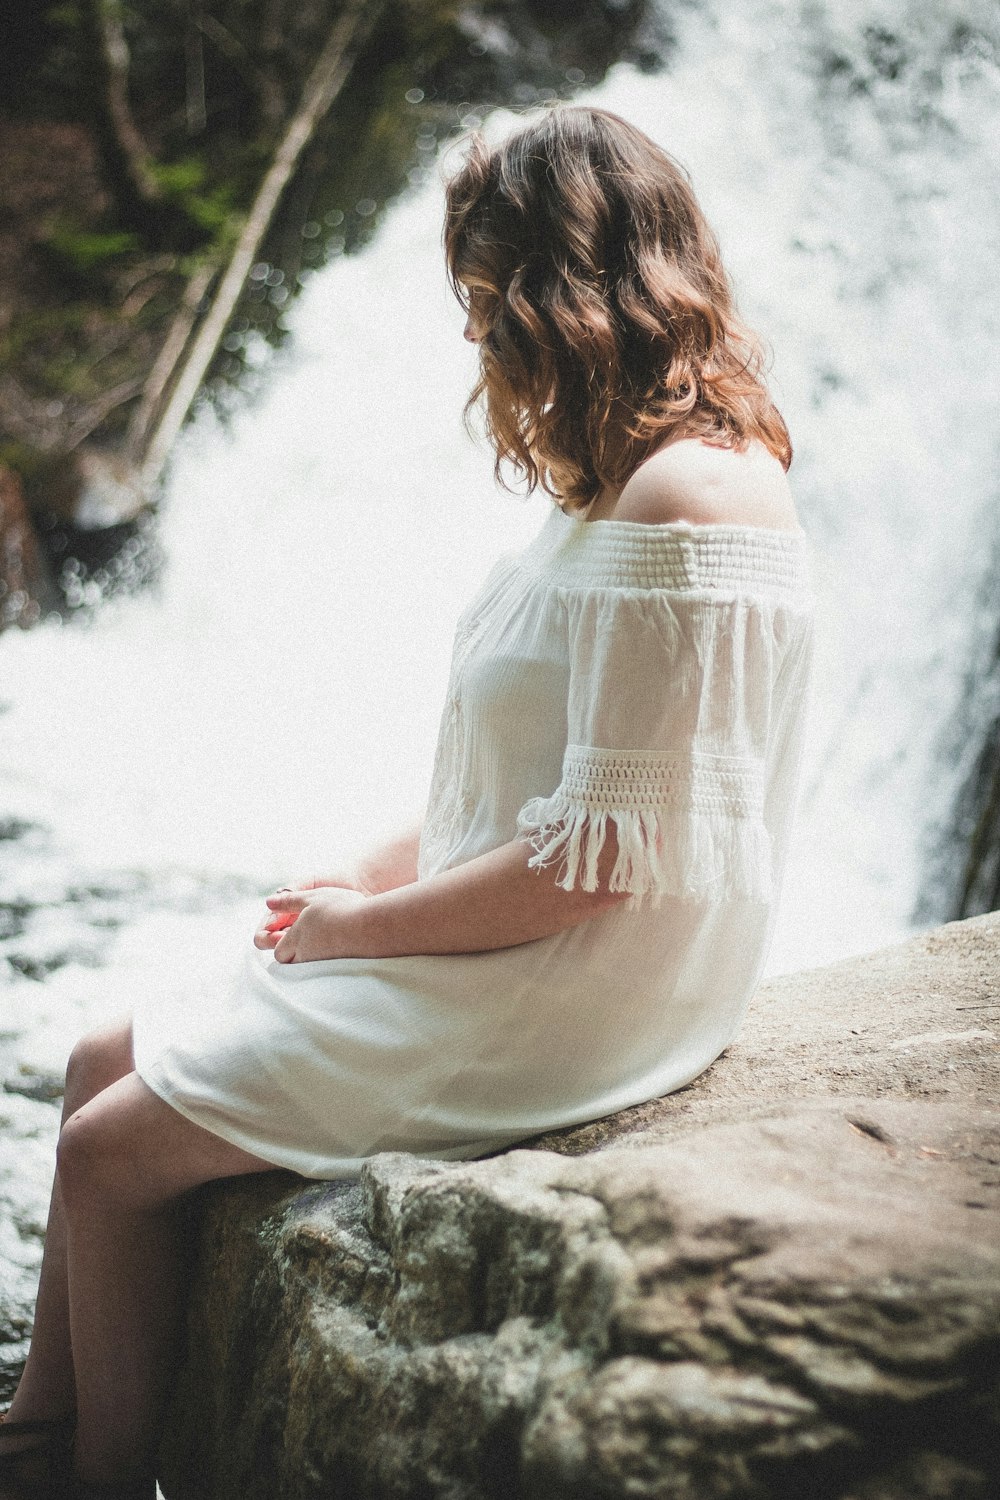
column 692, row 830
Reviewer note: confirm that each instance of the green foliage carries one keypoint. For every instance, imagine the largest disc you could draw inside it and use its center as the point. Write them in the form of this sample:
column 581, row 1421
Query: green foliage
column 20, row 457
column 84, row 250
column 107, row 278
column 177, row 178
column 212, row 211
column 183, row 183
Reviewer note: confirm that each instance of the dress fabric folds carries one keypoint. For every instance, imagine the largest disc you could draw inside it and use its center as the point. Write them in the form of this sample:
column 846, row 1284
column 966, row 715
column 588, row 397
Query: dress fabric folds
column 615, row 680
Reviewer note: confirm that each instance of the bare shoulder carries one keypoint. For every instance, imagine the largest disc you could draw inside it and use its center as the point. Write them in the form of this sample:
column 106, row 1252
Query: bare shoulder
column 706, row 485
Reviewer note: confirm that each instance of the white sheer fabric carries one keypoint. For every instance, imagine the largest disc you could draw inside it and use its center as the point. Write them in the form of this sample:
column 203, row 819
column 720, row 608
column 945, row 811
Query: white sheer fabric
column 649, row 680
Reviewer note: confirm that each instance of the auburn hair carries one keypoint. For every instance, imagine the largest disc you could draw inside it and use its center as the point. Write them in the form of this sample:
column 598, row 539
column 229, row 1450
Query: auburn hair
column 609, row 323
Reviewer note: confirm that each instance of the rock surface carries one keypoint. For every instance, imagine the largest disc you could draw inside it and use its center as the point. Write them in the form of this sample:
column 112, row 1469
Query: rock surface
column 781, row 1282
column 26, row 590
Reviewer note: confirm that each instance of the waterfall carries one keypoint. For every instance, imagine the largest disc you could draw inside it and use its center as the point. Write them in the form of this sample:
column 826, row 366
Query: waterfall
column 274, row 701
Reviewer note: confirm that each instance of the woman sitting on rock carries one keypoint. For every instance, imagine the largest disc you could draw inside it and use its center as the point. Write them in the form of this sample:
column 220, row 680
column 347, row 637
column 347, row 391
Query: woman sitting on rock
column 579, row 923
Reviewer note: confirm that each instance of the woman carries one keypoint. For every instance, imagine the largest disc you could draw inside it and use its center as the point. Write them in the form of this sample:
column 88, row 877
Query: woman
column 580, row 921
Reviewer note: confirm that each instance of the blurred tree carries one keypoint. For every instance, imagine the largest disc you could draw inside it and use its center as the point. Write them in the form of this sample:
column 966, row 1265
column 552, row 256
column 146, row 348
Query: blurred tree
column 166, row 188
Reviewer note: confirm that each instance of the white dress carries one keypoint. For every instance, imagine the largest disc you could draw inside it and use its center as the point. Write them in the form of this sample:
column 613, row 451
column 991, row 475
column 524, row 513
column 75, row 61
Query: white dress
column 653, row 678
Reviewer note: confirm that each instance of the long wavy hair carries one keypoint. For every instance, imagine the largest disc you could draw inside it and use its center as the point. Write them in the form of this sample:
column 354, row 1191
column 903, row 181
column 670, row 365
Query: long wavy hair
column 609, row 324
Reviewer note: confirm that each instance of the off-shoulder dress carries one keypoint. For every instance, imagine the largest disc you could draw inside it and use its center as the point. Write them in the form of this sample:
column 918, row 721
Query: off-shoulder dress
column 652, row 678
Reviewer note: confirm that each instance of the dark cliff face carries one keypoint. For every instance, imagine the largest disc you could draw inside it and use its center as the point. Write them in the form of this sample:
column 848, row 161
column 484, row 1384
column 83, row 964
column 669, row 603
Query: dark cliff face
column 133, row 146
column 962, row 876
column 977, row 823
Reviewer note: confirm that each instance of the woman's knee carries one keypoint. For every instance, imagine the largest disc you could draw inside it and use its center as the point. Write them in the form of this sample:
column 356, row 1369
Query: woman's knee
column 95, row 1154
column 127, row 1150
column 98, row 1059
column 78, row 1156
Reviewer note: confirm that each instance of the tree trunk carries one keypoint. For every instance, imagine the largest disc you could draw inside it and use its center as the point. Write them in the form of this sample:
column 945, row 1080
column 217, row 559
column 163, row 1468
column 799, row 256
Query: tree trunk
column 167, row 362
column 322, row 87
column 126, row 156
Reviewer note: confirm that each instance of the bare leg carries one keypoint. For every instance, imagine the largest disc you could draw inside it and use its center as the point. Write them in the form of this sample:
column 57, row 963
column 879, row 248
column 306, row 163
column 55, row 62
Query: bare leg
column 47, row 1387
column 125, row 1158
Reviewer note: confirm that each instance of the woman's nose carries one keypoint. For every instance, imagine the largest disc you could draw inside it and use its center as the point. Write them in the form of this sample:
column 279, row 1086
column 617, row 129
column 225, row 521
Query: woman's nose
column 469, row 331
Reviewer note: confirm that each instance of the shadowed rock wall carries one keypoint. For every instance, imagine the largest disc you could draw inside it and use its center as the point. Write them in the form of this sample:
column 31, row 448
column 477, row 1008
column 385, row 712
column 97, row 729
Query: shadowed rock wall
column 782, row 1281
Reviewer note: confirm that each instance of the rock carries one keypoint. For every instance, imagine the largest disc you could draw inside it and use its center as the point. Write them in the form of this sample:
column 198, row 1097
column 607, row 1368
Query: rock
column 26, row 590
column 768, row 1286
column 920, row 1020
column 109, row 488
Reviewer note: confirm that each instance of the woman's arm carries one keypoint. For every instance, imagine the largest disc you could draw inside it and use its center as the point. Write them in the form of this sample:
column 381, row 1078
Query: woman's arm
column 391, row 864
column 494, row 901
column 387, row 866
column 383, row 868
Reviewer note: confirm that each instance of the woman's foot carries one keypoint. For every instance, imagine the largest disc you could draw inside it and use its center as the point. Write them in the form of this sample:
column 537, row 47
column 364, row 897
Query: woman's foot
column 35, row 1458
column 144, row 1491
column 36, row 1463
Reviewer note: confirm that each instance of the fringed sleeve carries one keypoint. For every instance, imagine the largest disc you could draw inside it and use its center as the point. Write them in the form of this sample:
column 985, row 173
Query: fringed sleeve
column 668, row 719
column 690, row 830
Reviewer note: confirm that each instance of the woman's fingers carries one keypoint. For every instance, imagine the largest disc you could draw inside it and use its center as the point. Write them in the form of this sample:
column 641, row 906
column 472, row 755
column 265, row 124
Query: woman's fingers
column 284, row 909
column 270, row 929
column 289, row 900
column 269, row 934
column 284, row 950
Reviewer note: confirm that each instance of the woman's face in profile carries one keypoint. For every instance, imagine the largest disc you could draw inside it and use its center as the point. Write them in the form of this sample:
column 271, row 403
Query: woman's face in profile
column 475, row 323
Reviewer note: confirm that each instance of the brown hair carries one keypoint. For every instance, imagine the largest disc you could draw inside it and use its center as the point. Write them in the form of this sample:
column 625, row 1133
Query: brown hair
column 610, row 325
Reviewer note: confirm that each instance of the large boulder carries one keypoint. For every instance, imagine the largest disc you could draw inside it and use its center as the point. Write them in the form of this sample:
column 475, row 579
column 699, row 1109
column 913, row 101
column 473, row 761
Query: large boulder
column 783, row 1281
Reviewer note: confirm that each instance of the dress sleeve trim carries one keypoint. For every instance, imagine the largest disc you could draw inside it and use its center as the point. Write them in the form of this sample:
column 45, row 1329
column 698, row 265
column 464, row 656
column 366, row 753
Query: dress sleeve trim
column 691, row 829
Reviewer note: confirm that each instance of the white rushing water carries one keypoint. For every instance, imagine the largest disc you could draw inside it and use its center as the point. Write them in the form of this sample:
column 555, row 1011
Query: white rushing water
column 276, row 700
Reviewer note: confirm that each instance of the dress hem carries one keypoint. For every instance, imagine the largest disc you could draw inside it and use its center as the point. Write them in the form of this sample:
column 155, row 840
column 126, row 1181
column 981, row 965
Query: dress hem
column 232, row 1136
column 335, row 1169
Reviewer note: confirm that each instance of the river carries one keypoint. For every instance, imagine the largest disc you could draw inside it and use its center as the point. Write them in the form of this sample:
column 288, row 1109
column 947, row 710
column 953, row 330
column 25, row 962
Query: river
column 274, row 700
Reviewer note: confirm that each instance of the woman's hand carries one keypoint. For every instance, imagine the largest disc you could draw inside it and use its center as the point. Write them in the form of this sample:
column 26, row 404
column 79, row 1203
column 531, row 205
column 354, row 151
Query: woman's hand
column 271, row 926
column 497, row 900
column 310, row 924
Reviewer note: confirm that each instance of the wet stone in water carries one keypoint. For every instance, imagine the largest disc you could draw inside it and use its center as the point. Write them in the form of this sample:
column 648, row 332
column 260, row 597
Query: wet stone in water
column 44, row 1088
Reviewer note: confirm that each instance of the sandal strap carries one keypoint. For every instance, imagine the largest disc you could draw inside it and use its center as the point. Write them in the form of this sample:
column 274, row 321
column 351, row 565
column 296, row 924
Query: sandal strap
column 44, row 1458
column 51, row 1425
